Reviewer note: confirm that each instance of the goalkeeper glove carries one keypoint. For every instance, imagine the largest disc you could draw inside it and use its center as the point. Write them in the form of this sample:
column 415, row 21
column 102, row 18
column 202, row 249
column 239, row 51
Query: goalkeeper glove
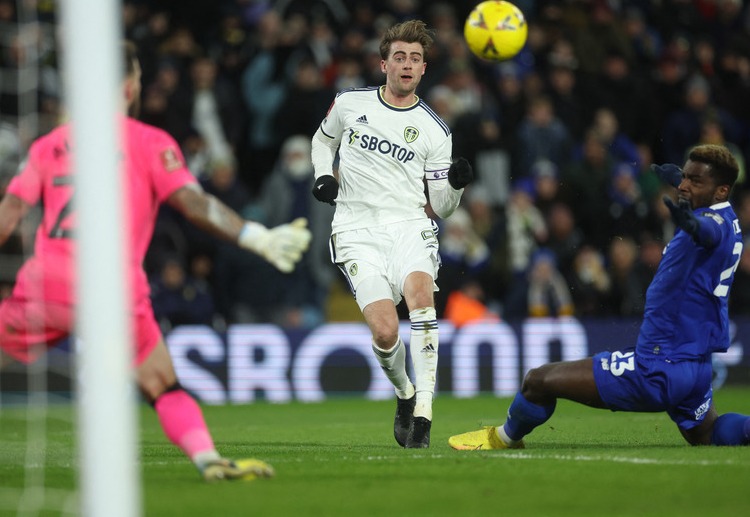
column 669, row 173
column 282, row 245
column 460, row 174
column 325, row 189
column 683, row 216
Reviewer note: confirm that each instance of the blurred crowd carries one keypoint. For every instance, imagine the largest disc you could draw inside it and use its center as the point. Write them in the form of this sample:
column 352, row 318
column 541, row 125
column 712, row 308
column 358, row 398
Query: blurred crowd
column 565, row 216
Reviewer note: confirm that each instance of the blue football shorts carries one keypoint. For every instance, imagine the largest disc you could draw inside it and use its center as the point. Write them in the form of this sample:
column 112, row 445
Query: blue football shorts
column 629, row 382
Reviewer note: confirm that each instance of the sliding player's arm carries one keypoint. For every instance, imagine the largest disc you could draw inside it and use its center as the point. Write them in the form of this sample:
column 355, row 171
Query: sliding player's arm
column 704, row 230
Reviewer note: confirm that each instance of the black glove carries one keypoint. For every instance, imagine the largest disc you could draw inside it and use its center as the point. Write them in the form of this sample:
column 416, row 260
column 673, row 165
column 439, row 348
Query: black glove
column 669, row 173
column 326, row 189
column 683, row 215
column 460, row 174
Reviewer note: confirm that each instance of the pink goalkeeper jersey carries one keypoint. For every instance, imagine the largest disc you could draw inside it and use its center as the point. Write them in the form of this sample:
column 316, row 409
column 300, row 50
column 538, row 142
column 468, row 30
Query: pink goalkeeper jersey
column 153, row 169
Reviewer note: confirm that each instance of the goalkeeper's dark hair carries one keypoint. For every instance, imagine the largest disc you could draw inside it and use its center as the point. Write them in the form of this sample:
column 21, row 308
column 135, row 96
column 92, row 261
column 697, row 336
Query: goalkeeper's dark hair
column 412, row 31
column 130, row 55
column 724, row 167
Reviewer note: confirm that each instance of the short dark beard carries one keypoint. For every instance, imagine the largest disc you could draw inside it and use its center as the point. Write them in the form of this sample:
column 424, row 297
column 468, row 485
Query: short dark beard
column 134, row 110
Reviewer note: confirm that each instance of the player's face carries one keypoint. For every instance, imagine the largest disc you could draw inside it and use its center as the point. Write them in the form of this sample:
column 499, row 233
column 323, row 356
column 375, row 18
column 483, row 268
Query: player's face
column 699, row 186
column 404, row 67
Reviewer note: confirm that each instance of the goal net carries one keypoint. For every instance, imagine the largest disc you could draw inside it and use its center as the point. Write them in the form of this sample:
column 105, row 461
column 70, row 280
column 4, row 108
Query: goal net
column 61, row 453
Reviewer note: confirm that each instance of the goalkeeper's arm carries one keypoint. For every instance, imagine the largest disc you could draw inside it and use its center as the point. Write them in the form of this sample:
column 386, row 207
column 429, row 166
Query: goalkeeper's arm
column 12, row 210
column 282, row 246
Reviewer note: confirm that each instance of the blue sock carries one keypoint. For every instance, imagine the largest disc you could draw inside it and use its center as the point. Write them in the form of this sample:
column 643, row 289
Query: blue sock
column 731, row 429
column 524, row 416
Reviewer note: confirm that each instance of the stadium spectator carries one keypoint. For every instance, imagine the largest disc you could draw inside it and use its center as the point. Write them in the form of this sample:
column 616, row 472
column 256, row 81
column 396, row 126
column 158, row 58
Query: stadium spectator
column 685, row 321
column 619, row 145
column 566, row 99
column 628, row 211
column 265, row 81
column 210, row 104
column 584, row 183
column 589, row 283
column 284, row 196
column 154, row 173
column 713, row 133
column 511, row 103
column 548, row 294
column 626, row 295
column 541, row 135
column 463, row 253
column 546, row 179
column 307, row 98
column 382, row 239
column 565, row 238
column 526, row 231
column 682, row 129
column 467, row 305
column 180, row 299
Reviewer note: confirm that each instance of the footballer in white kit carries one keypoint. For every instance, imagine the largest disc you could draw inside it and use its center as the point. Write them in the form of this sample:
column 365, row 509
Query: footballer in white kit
column 390, row 143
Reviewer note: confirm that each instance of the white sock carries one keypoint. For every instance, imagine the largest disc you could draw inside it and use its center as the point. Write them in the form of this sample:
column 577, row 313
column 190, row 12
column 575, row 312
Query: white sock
column 393, row 363
column 203, row 458
column 504, row 436
column 424, row 357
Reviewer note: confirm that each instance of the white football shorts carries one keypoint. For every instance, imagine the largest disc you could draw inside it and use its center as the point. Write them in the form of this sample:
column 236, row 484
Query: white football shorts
column 376, row 261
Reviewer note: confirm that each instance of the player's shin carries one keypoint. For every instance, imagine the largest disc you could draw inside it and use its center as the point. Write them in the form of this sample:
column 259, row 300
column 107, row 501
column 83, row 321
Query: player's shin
column 393, row 363
column 182, row 421
column 523, row 417
column 424, row 356
column 731, row 429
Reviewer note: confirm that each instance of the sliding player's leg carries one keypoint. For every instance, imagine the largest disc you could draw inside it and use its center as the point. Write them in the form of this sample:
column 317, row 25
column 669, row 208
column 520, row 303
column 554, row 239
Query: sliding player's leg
column 699, row 421
column 535, row 404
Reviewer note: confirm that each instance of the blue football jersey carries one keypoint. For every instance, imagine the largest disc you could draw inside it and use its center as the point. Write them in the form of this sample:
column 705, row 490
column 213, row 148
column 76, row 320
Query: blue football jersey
column 686, row 304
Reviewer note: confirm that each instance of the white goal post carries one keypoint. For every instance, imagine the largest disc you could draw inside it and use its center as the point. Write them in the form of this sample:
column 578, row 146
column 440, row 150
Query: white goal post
column 93, row 64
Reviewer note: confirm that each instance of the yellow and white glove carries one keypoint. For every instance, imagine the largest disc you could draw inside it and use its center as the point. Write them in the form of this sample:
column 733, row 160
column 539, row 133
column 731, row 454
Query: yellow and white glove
column 282, row 245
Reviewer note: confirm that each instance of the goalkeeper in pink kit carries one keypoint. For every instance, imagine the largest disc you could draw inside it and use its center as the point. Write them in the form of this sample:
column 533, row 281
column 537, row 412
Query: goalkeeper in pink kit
column 40, row 311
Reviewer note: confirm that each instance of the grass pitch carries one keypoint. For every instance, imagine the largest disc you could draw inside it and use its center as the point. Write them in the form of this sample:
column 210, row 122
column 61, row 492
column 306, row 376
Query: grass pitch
column 339, row 458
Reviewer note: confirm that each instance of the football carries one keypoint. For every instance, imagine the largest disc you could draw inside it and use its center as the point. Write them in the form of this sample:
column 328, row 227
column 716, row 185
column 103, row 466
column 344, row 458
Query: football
column 495, row 30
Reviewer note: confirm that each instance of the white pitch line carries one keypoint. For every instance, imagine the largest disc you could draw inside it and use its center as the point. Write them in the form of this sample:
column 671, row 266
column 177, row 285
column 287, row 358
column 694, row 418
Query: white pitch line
column 618, row 459
column 557, row 457
column 504, row 456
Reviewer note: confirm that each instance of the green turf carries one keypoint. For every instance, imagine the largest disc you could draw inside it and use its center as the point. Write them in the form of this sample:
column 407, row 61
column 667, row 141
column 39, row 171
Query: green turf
column 339, row 458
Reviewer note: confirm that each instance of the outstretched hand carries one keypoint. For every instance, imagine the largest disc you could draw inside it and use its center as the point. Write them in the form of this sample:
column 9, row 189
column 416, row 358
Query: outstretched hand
column 683, row 215
column 669, row 173
column 326, row 189
column 460, row 174
column 282, row 245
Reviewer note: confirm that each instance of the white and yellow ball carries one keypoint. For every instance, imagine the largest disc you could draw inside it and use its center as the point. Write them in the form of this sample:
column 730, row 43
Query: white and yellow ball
column 495, row 30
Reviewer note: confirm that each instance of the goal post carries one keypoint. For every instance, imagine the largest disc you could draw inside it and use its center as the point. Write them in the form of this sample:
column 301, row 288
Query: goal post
column 93, row 64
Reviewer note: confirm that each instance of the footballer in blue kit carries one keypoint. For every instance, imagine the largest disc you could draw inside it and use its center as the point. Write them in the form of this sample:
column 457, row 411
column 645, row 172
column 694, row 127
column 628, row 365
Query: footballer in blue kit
column 685, row 321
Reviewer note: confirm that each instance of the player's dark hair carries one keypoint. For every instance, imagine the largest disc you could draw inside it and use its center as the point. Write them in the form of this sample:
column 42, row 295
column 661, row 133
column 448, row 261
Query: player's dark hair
column 130, row 54
column 412, row 31
column 724, row 167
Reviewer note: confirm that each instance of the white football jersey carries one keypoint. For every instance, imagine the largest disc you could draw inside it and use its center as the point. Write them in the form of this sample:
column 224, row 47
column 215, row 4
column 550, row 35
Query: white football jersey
column 385, row 154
